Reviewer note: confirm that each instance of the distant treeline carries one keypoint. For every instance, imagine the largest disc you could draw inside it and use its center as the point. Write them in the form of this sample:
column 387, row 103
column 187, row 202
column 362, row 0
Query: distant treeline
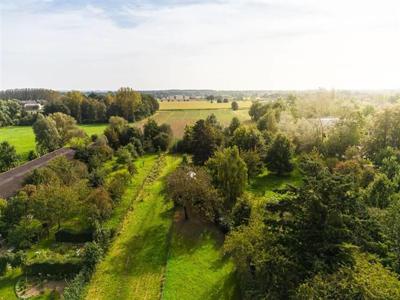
column 93, row 108
column 29, row 94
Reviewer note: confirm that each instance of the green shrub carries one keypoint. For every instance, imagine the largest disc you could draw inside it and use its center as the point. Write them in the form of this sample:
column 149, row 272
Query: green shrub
column 74, row 290
column 92, row 254
column 72, row 266
column 118, row 184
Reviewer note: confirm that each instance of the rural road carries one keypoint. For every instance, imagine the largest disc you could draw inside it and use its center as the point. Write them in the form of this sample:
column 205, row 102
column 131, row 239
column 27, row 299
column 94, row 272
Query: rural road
column 11, row 181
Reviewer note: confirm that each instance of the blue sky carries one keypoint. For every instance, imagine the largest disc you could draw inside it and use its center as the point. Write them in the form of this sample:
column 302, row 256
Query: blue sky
column 226, row 44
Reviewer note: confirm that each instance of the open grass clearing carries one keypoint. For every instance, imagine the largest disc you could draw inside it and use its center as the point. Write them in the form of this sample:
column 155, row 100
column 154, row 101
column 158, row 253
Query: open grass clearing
column 23, row 138
column 196, row 268
column 134, row 265
column 200, row 104
column 266, row 182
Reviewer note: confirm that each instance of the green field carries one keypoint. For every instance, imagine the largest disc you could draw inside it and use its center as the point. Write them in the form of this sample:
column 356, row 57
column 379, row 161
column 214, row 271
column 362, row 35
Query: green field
column 144, row 165
column 134, row 265
column 23, row 138
column 200, row 104
column 178, row 119
column 191, row 265
column 196, row 268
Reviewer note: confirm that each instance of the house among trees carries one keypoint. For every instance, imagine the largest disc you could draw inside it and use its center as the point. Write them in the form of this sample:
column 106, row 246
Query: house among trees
column 32, row 106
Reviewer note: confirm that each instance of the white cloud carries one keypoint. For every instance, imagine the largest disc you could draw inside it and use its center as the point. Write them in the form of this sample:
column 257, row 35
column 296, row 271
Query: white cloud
column 222, row 45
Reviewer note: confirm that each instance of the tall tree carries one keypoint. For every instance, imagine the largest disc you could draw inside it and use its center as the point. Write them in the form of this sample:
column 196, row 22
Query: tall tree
column 234, row 105
column 73, row 100
column 229, row 173
column 279, row 155
column 8, row 156
column 205, row 139
column 46, row 134
column 191, row 188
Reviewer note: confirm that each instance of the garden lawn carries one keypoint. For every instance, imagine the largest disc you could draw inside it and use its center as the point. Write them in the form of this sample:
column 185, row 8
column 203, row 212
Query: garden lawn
column 196, row 267
column 134, row 265
column 266, row 182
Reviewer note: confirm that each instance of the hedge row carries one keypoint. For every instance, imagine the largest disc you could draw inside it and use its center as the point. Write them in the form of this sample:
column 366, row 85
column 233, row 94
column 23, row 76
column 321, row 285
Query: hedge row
column 53, row 268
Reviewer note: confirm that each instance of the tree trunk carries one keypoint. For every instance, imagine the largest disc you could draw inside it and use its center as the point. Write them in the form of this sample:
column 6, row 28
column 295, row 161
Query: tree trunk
column 186, row 213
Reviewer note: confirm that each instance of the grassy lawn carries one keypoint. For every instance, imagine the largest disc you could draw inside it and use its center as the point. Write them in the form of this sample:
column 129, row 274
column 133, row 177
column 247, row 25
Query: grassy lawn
column 200, row 104
column 196, row 268
column 134, row 266
column 7, row 283
column 23, row 138
column 263, row 184
column 143, row 165
column 178, row 119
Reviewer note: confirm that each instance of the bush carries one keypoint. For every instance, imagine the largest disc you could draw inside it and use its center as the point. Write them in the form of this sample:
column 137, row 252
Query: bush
column 74, row 290
column 69, row 236
column 25, row 233
column 32, row 155
column 118, row 185
column 92, row 254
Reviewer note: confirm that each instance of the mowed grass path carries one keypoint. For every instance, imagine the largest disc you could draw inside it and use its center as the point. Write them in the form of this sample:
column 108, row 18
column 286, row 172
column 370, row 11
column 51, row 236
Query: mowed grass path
column 196, row 267
column 134, row 266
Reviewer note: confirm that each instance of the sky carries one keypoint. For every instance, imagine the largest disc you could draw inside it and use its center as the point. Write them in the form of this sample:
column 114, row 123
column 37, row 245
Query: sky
column 176, row 44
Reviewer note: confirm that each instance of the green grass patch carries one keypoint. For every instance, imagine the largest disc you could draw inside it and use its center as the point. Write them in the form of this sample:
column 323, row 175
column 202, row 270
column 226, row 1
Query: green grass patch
column 266, row 182
column 133, row 267
column 7, row 284
column 196, row 268
column 23, row 138
column 143, row 165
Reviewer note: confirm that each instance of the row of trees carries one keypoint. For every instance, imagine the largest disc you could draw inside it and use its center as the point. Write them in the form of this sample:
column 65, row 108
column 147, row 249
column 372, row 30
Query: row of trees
column 94, row 108
column 29, row 94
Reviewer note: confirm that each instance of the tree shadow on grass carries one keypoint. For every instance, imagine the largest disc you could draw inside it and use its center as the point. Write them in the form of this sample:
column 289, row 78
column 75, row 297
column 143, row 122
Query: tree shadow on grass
column 143, row 253
column 267, row 181
column 226, row 288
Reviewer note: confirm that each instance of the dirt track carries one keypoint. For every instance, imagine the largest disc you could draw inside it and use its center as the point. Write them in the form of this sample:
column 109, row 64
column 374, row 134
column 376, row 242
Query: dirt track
column 11, row 181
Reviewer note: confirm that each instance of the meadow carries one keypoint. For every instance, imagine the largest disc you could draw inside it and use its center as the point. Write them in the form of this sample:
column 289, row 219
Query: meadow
column 135, row 263
column 23, row 138
column 196, row 267
column 178, row 119
column 200, row 104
